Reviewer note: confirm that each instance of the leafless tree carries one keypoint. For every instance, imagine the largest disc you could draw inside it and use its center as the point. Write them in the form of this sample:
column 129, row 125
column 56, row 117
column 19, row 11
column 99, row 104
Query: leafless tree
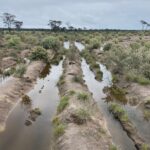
column 8, row 20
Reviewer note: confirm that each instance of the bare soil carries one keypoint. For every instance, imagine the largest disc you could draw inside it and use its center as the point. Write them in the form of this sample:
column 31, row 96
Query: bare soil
column 91, row 135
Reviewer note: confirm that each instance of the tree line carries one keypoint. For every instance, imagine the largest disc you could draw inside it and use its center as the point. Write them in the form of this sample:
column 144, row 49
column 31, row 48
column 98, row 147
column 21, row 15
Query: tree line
column 10, row 21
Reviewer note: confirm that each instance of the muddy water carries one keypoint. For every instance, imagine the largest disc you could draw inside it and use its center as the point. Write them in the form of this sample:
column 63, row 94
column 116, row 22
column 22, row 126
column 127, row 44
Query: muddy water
column 80, row 46
column 119, row 136
column 37, row 136
column 66, row 44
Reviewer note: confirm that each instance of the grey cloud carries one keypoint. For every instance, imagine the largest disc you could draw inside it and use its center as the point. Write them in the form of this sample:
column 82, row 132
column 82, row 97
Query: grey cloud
column 90, row 13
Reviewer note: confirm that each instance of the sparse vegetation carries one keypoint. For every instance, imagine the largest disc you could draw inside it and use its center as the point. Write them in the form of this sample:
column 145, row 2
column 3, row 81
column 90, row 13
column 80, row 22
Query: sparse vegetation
column 20, row 70
column 63, row 104
column 93, row 65
column 81, row 116
column 39, row 53
column 78, row 79
column 26, row 99
column 83, row 96
column 51, row 43
column 118, row 112
column 112, row 147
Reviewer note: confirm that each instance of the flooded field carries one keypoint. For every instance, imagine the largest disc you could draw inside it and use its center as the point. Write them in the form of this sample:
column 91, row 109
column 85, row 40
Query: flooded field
column 119, row 136
column 37, row 134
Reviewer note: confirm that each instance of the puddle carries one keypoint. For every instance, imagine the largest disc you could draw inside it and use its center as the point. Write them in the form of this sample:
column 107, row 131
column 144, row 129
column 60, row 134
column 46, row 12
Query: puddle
column 66, row 44
column 37, row 136
column 80, row 46
column 4, row 79
column 142, row 125
column 119, row 136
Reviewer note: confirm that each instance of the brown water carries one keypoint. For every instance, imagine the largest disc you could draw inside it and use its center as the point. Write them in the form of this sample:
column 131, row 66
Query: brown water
column 119, row 136
column 37, row 136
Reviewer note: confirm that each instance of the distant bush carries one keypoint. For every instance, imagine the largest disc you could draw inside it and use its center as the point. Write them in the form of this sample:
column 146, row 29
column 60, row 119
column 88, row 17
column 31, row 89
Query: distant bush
column 107, row 47
column 135, row 46
column 39, row 53
column 94, row 44
column 51, row 43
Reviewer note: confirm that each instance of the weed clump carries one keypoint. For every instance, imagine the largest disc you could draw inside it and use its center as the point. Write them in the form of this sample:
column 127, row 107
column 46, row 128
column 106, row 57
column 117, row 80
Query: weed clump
column 39, row 53
column 118, row 112
column 83, row 96
column 80, row 116
column 59, row 127
column 26, row 99
column 20, row 70
column 51, row 43
column 63, row 104
column 78, row 79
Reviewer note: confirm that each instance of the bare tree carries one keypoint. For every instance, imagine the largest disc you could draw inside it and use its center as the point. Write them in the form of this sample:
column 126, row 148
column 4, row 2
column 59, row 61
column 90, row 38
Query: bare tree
column 144, row 23
column 54, row 24
column 18, row 24
column 8, row 20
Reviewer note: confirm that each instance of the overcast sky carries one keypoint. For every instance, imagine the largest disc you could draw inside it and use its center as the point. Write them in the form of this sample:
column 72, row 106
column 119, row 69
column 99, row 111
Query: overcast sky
column 116, row 14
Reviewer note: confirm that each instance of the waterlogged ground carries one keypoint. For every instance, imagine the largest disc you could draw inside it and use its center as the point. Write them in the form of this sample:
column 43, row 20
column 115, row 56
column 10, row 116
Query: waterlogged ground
column 36, row 136
column 119, row 136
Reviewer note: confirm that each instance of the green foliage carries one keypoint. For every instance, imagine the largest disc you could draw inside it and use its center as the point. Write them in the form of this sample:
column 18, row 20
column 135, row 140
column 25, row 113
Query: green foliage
column 39, row 53
column 78, row 79
column 147, row 114
column 107, row 46
column 93, row 65
column 9, row 72
column 72, row 92
column 63, row 104
column 94, row 43
column 118, row 112
column 51, row 43
column 81, row 116
column 83, row 96
column 145, row 147
column 135, row 46
column 59, row 130
column 112, row 147
column 20, row 70
column 14, row 41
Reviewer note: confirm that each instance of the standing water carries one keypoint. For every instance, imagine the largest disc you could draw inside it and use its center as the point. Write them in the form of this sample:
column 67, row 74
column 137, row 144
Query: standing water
column 119, row 136
column 37, row 136
column 3, row 79
column 66, row 44
column 80, row 46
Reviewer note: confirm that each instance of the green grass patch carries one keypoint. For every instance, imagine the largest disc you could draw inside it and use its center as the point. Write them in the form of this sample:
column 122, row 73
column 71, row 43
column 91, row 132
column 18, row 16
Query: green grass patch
column 83, row 97
column 63, row 104
column 81, row 116
column 118, row 112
